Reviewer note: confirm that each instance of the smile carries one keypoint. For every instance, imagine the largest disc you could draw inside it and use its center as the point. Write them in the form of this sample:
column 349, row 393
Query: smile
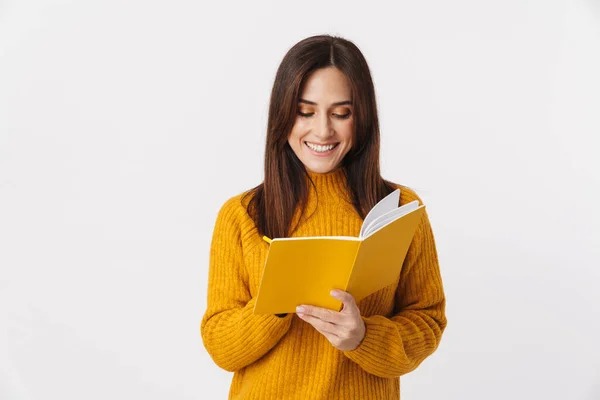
column 321, row 149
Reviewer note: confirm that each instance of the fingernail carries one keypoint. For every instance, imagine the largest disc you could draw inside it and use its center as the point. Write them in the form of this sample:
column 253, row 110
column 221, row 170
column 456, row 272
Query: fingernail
column 300, row 309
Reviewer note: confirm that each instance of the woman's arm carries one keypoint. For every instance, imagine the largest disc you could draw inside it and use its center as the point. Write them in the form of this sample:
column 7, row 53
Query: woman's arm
column 397, row 345
column 233, row 336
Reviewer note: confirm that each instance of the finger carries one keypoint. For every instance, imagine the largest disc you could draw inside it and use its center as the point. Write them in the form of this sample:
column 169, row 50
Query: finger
column 347, row 299
column 322, row 313
column 322, row 326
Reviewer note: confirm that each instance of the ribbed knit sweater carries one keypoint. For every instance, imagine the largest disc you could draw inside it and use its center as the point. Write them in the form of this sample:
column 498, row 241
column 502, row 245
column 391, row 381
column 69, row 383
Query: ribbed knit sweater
column 287, row 358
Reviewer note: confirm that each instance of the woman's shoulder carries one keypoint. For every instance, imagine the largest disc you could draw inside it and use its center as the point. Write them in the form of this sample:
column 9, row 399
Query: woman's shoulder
column 233, row 211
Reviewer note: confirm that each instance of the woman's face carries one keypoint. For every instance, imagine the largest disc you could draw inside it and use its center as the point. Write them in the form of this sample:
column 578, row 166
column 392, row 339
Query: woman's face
column 324, row 117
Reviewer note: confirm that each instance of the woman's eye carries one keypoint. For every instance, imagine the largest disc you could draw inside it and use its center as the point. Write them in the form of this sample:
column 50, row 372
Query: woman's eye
column 342, row 116
column 335, row 115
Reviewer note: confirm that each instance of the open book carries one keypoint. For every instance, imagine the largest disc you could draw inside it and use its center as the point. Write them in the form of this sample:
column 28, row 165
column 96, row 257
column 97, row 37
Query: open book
column 303, row 270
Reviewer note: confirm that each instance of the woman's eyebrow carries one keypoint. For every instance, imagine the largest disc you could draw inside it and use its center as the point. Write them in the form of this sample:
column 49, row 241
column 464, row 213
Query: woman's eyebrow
column 339, row 103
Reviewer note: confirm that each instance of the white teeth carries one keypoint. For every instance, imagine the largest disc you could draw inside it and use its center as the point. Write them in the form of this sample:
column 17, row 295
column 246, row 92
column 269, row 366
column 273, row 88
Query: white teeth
column 320, row 149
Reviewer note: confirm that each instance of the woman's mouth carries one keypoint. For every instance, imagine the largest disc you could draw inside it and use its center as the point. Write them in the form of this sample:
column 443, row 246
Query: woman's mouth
column 321, row 150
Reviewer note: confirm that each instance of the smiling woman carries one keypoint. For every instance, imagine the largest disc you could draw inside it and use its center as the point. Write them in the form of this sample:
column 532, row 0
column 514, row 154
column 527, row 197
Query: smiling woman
column 322, row 155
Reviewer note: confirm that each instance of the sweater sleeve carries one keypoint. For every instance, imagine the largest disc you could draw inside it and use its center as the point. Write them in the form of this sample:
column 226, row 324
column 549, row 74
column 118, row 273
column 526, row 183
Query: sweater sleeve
column 233, row 336
column 396, row 345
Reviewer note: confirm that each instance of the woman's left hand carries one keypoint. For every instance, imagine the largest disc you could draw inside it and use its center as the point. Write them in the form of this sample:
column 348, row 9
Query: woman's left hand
column 344, row 329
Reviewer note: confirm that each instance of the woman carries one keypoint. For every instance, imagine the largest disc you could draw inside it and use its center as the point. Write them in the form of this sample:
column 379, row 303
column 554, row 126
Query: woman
column 322, row 176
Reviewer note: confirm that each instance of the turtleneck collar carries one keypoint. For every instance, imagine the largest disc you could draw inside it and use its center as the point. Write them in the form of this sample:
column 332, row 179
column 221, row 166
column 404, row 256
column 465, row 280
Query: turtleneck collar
column 330, row 184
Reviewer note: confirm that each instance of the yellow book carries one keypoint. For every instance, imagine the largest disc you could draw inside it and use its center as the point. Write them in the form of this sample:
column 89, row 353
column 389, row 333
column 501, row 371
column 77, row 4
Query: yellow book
column 303, row 270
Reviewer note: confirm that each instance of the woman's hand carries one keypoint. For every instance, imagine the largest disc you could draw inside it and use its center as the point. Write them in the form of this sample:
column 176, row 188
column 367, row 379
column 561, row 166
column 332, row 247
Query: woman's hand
column 344, row 329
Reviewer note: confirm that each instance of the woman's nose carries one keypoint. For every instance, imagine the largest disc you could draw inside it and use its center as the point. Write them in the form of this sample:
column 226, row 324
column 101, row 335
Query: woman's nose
column 324, row 129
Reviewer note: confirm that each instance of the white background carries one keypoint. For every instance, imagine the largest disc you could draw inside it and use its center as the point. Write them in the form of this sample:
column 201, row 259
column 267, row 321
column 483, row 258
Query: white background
column 125, row 125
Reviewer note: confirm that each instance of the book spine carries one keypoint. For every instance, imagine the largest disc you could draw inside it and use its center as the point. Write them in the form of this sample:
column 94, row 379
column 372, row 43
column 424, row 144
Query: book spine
column 352, row 269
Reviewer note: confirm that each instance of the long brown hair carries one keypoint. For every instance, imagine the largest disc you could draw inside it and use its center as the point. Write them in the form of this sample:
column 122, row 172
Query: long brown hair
column 284, row 188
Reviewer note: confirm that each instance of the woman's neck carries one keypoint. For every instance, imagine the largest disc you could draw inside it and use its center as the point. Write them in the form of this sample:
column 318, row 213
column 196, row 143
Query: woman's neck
column 329, row 184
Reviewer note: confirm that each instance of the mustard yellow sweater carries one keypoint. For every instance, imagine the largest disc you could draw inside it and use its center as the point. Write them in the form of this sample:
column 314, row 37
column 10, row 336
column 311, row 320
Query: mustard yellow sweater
column 287, row 358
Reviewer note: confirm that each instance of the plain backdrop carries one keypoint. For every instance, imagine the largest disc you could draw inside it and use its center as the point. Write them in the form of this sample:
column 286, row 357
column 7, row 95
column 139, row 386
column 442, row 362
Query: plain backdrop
column 125, row 125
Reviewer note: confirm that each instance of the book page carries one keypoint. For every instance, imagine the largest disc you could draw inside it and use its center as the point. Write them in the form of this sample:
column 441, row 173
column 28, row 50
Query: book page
column 391, row 216
column 385, row 205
